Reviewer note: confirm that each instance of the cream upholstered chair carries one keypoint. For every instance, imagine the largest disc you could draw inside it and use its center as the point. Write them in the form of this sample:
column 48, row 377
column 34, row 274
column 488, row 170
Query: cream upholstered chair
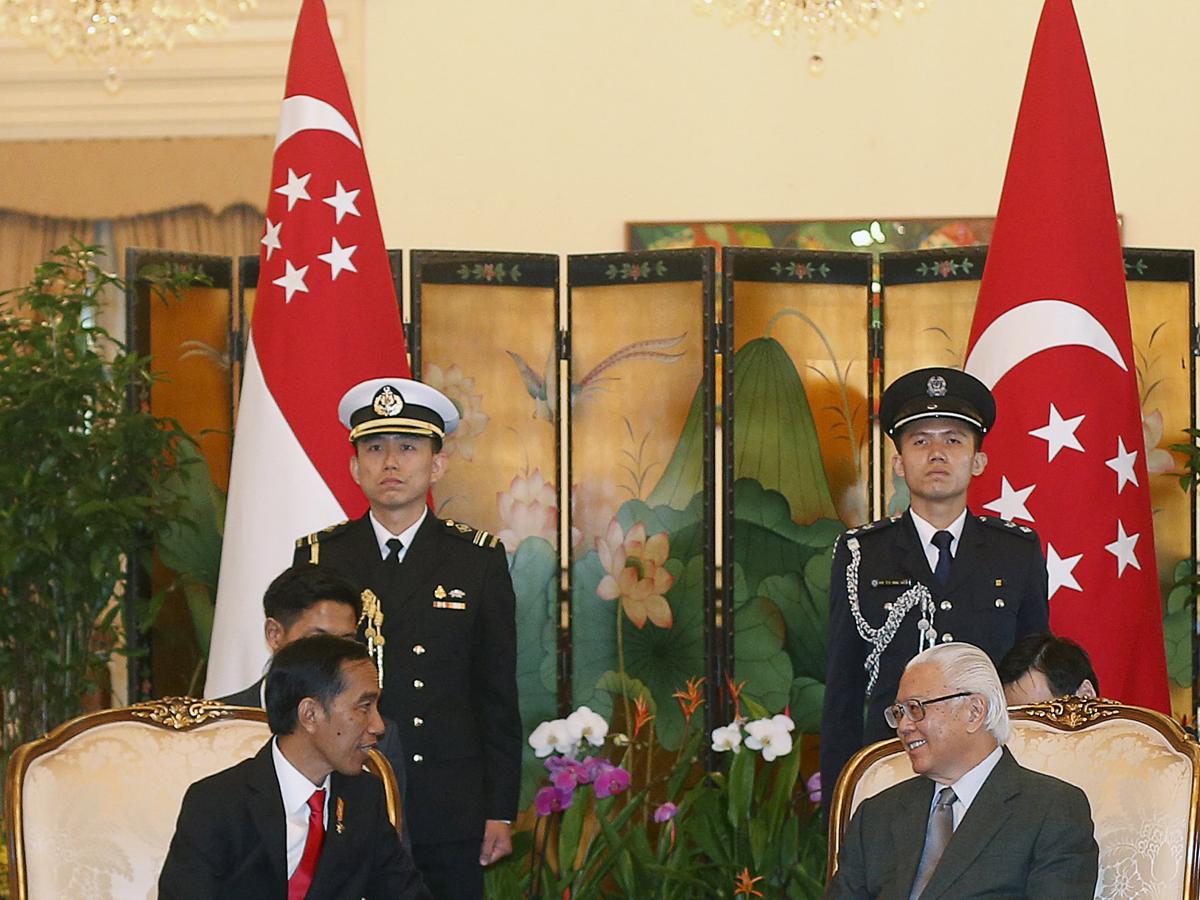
column 90, row 808
column 1139, row 769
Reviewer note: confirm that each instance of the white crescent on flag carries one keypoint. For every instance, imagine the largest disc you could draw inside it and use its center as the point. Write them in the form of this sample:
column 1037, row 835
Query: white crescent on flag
column 1014, row 336
column 302, row 113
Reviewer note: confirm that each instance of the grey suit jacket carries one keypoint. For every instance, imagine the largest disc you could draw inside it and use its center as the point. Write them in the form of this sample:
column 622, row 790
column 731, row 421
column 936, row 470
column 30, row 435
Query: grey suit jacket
column 1025, row 835
column 389, row 745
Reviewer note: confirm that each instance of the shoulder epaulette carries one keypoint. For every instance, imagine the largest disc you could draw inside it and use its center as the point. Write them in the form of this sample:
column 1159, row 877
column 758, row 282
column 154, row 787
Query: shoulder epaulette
column 877, row 525
column 474, row 535
column 309, row 539
column 1008, row 527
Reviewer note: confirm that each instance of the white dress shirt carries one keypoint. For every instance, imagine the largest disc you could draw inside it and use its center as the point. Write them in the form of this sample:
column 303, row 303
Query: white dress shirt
column 967, row 787
column 925, row 532
column 295, row 789
column 382, row 535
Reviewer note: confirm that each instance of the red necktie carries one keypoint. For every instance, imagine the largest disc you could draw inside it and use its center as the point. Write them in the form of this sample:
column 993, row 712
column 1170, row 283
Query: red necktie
column 301, row 879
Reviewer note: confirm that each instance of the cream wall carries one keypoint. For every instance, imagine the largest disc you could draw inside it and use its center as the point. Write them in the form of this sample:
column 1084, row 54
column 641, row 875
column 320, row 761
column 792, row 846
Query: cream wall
column 534, row 125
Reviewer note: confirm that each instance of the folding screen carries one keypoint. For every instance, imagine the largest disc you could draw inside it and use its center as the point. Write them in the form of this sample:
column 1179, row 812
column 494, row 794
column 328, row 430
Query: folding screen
column 797, row 464
column 484, row 331
column 928, row 300
column 642, row 395
column 190, row 339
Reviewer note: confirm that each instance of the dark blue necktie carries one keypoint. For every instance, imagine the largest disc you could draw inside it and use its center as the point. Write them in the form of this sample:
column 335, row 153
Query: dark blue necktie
column 942, row 540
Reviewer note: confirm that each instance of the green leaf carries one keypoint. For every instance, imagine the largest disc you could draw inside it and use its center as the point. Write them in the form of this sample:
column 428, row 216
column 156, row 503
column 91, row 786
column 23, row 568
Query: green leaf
column 759, row 657
column 622, row 685
column 570, row 831
column 784, row 773
column 534, row 571
column 808, row 696
column 740, row 787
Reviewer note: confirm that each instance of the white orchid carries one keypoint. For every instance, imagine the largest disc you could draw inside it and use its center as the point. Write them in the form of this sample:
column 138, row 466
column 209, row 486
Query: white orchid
column 552, row 737
column 727, row 737
column 771, row 736
column 585, row 725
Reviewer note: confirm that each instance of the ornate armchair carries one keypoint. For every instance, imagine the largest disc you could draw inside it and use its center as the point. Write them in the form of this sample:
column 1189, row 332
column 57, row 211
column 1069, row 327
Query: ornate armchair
column 90, row 808
column 1141, row 773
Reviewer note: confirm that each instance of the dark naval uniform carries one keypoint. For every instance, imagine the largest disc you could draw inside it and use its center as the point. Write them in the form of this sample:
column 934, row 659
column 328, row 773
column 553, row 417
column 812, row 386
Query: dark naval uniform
column 449, row 672
column 996, row 593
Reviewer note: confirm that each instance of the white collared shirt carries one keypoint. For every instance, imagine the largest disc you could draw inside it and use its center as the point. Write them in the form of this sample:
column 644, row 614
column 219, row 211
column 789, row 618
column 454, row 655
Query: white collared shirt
column 925, row 533
column 295, row 789
column 382, row 535
column 967, row 787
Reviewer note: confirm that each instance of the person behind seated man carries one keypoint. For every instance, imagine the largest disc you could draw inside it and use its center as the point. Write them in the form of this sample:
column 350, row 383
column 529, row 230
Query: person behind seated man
column 306, row 600
column 973, row 822
column 1042, row 667
column 298, row 819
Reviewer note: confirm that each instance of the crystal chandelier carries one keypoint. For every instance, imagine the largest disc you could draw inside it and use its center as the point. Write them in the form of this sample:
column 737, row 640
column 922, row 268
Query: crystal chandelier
column 818, row 19
column 112, row 33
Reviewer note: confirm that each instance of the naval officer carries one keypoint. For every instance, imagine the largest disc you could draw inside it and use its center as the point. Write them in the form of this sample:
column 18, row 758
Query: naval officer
column 936, row 574
column 439, row 616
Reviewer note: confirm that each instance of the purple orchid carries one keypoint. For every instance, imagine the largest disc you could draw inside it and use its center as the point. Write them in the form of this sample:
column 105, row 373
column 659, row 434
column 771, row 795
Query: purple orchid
column 665, row 813
column 552, row 799
column 611, row 782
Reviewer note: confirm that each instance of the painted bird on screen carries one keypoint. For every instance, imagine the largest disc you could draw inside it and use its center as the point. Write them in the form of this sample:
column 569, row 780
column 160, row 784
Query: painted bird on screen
column 543, row 388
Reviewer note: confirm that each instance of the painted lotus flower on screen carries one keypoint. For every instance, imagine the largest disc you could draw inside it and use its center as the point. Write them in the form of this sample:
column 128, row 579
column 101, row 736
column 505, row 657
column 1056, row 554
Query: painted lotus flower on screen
column 635, row 573
column 594, row 502
column 528, row 509
column 461, row 391
column 1158, row 461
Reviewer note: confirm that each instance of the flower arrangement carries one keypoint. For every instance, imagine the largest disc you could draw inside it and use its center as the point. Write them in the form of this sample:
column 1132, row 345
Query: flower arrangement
column 639, row 821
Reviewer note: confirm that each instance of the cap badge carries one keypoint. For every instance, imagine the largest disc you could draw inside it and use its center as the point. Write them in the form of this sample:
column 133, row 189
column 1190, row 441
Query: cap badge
column 387, row 401
column 936, row 386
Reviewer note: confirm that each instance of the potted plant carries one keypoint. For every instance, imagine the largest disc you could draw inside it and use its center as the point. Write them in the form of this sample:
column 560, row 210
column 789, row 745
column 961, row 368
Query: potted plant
column 81, row 459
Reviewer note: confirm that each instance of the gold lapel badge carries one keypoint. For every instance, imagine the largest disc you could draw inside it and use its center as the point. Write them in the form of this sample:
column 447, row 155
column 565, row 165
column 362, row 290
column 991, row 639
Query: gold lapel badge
column 341, row 815
column 439, row 592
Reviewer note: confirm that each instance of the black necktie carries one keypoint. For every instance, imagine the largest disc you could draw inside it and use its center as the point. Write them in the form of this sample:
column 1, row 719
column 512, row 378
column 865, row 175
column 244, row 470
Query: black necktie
column 937, row 835
column 941, row 571
column 395, row 546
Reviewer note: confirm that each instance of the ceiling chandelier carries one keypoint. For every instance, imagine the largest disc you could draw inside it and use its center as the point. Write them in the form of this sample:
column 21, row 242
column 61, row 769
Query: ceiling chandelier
column 819, row 20
column 112, row 33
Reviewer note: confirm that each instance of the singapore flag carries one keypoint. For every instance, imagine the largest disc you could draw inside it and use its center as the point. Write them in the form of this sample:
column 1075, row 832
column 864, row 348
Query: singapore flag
column 1051, row 337
column 325, row 317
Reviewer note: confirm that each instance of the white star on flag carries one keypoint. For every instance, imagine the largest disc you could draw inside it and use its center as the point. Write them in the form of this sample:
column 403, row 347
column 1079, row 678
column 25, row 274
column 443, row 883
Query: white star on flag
column 338, row 258
column 270, row 240
column 1122, row 549
column 1011, row 504
column 295, row 189
column 343, row 202
column 292, row 280
column 1059, row 570
column 1058, row 433
column 1122, row 464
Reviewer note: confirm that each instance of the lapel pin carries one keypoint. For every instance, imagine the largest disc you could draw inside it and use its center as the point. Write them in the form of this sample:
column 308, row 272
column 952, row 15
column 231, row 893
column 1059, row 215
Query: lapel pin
column 440, row 592
column 341, row 814
column 457, row 594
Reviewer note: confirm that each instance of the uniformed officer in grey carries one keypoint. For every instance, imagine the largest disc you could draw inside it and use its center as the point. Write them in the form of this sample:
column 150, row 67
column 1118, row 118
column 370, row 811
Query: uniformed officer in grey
column 439, row 617
column 937, row 573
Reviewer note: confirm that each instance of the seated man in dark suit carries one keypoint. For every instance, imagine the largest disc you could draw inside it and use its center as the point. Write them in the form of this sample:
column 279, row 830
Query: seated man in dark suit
column 1043, row 666
column 299, row 819
column 973, row 823
column 307, row 600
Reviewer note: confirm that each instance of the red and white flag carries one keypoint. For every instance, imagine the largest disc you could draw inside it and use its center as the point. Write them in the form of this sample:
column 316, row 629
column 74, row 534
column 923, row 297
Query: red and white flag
column 325, row 318
column 1051, row 337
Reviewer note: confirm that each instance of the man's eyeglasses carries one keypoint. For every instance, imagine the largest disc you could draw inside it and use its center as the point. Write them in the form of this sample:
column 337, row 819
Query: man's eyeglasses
column 914, row 710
